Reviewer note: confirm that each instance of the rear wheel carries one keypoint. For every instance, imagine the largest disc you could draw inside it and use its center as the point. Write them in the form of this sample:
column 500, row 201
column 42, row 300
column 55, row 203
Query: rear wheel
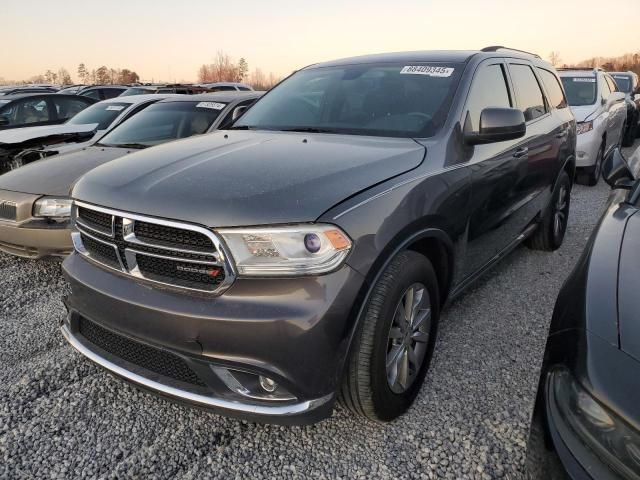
column 393, row 347
column 550, row 233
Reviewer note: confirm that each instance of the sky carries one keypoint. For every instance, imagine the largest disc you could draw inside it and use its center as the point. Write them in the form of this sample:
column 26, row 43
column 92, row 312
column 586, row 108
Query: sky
column 167, row 40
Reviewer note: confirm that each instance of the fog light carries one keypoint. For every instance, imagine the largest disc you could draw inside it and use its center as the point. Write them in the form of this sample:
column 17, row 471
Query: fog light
column 267, row 384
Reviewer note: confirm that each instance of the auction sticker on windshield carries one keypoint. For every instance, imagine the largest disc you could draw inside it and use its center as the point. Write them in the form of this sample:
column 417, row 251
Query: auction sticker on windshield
column 587, row 80
column 427, row 70
column 116, row 108
column 213, row 105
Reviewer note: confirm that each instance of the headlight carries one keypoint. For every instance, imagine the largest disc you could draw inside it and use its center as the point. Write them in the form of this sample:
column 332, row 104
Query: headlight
column 291, row 250
column 606, row 434
column 52, row 207
column 584, row 127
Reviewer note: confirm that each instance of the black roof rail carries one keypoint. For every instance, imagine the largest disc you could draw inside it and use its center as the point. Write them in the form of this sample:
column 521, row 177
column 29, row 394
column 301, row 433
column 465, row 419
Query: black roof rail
column 495, row 48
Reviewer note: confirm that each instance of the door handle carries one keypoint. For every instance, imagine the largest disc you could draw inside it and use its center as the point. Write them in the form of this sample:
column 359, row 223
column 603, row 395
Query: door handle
column 521, row 152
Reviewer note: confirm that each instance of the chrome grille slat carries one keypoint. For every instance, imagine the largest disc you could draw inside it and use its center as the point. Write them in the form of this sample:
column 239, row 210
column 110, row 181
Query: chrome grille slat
column 171, row 265
column 8, row 210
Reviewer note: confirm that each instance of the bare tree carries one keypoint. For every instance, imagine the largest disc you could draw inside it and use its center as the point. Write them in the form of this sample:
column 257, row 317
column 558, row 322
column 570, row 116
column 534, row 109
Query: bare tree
column 554, row 58
column 64, row 77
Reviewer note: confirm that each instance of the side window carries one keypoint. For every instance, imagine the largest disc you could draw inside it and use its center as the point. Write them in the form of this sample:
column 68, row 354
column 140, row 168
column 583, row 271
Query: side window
column 68, row 107
column 553, row 88
column 95, row 94
column 111, row 92
column 31, row 111
column 528, row 93
column 604, row 86
column 489, row 89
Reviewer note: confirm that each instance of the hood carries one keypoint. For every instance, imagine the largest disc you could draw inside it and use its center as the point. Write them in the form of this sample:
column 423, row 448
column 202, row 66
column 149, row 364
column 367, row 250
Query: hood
column 56, row 175
column 584, row 112
column 628, row 281
column 29, row 136
column 241, row 178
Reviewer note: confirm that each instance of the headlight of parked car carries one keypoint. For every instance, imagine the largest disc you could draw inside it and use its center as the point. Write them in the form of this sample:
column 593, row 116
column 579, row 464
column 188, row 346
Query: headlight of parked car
column 605, row 433
column 289, row 250
column 584, row 127
column 52, row 207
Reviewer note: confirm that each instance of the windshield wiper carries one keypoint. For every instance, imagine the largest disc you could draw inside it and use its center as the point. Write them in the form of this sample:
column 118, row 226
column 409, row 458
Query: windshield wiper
column 312, row 130
column 128, row 145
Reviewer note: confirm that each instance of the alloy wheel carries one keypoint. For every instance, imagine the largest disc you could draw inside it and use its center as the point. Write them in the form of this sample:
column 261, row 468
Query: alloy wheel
column 408, row 338
column 560, row 211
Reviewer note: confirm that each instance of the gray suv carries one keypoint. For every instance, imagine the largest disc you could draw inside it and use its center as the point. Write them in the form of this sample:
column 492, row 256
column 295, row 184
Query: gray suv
column 305, row 255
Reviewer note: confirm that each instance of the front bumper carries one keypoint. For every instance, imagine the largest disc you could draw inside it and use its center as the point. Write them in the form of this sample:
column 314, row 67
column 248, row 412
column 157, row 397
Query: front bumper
column 32, row 237
column 587, row 147
column 294, row 331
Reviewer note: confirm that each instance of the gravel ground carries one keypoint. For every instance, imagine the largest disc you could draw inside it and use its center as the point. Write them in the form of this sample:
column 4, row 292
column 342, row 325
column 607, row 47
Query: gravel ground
column 62, row 417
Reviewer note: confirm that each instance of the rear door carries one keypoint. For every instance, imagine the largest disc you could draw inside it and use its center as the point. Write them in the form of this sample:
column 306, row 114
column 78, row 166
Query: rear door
column 618, row 110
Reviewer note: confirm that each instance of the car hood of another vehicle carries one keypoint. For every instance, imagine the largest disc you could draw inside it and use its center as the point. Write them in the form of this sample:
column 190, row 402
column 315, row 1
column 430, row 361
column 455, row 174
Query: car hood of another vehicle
column 241, row 178
column 584, row 112
column 16, row 136
column 56, row 175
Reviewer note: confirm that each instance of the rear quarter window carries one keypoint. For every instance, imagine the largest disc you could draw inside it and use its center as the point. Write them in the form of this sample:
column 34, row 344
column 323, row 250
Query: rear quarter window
column 528, row 93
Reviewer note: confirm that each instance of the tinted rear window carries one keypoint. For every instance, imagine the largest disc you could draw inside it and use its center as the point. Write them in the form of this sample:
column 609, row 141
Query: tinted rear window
column 528, row 93
column 580, row 90
column 624, row 83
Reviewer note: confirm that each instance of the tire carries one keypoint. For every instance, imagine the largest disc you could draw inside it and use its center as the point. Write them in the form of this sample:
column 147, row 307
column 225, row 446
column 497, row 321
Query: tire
column 367, row 387
column 591, row 175
column 550, row 233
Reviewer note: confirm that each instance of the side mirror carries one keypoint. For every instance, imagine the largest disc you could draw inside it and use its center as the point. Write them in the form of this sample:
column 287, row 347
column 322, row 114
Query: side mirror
column 498, row 125
column 616, row 171
column 237, row 113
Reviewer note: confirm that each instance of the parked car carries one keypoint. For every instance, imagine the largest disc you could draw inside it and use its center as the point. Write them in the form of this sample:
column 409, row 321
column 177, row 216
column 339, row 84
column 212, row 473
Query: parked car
column 306, row 253
column 25, row 145
column 102, row 92
column 175, row 88
column 628, row 84
column 34, row 199
column 226, row 86
column 33, row 109
column 586, row 422
column 601, row 114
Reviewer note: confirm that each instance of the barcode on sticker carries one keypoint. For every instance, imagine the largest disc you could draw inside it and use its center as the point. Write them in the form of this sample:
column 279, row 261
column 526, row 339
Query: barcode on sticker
column 428, row 70
column 115, row 108
column 587, row 80
column 213, row 105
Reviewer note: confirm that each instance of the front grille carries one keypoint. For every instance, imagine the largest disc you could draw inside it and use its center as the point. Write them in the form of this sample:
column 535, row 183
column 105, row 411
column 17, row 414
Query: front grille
column 98, row 220
column 102, row 252
column 163, row 235
column 190, row 275
column 170, row 253
column 150, row 358
column 8, row 210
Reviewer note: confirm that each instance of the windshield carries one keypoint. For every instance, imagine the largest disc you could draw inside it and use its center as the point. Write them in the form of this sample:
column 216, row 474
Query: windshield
column 580, row 90
column 101, row 113
column 137, row 91
column 162, row 122
column 395, row 100
column 624, row 83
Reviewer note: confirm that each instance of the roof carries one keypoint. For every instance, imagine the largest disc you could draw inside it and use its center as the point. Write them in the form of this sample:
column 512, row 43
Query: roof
column 225, row 84
column 136, row 99
column 17, row 96
column 213, row 97
column 436, row 56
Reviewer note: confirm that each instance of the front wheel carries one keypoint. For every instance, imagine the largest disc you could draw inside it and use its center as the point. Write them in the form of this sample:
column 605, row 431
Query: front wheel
column 550, row 233
column 393, row 346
